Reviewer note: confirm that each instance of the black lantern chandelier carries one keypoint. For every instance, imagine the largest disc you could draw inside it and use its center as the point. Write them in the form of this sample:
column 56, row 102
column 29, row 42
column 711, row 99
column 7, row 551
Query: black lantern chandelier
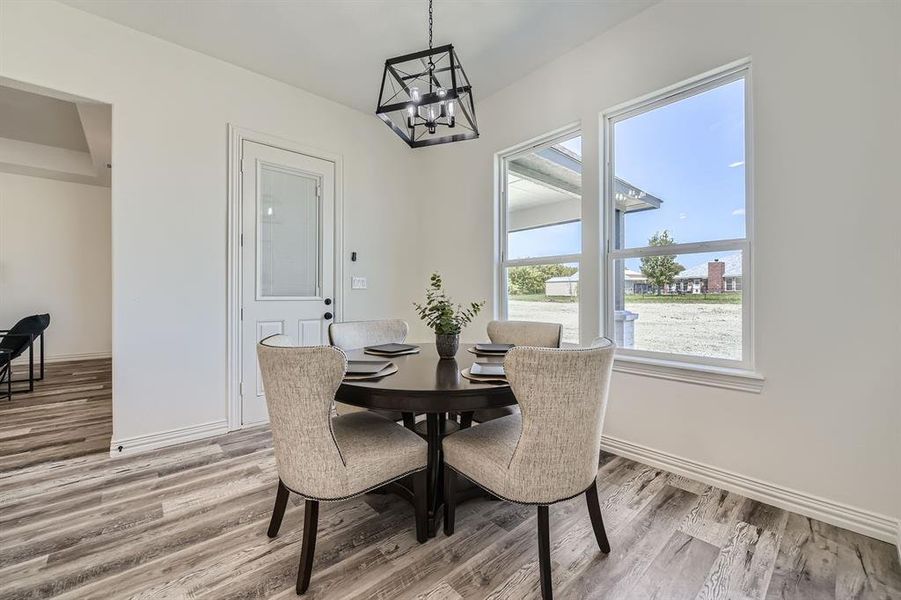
column 426, row 97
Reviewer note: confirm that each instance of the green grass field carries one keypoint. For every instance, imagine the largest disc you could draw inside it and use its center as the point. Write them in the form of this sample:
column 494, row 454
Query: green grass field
column 724, row 298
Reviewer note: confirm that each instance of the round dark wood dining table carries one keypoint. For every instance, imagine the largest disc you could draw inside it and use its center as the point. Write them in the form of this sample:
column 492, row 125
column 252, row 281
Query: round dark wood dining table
column 427, row 384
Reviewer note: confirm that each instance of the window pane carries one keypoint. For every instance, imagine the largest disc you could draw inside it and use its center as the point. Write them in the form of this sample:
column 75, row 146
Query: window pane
column 288, row 214
column 548, row 293
column 544, row 201
column 680, row 168
column 687, row 304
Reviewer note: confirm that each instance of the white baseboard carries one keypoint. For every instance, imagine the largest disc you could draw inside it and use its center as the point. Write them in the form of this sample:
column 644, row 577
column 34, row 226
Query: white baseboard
column 162, row 439
column 81, row 356
column 875, row 525
column 58, row 358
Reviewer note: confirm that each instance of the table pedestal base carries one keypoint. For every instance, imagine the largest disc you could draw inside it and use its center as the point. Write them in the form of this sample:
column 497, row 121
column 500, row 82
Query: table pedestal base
column 435, row 427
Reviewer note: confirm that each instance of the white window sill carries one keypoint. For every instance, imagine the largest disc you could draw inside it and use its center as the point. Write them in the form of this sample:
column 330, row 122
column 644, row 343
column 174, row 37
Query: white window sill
column 720, row 377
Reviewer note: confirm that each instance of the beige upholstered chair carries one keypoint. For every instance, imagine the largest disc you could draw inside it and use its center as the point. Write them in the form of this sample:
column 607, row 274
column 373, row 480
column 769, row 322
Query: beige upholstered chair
column 322, row 458
column 549, row 451
column 354, row 335
column 359, row 334
column 518, row 333
column 525, row 333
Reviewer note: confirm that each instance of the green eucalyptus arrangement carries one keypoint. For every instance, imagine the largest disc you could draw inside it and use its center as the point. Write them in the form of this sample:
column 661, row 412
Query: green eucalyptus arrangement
column 441, row 314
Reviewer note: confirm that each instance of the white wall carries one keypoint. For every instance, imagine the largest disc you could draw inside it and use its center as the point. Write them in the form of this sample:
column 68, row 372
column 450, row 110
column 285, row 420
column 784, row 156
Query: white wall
column 55, row 257
column 826, row 94
column 171, row 107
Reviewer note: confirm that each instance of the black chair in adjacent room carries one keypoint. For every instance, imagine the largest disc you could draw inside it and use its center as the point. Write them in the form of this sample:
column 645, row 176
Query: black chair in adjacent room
column 14, row 342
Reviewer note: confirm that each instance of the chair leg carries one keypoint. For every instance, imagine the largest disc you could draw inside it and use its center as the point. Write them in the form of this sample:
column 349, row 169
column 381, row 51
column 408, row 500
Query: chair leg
column 41, row 378
column 310, row 523
column 421, row 504
column 281, row 501
column 409, row 420
column 3, row 381
column 450, row 499
column 594, row 510
column 465, row 420
column 31, row 366
column 544, row 554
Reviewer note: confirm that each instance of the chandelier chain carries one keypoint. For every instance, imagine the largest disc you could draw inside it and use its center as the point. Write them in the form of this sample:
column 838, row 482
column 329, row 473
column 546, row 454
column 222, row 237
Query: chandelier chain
column 431, row 62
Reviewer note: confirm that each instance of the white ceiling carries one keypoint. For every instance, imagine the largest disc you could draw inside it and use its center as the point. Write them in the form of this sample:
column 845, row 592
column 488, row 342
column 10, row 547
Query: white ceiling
column 337, row 48
column 525, row 193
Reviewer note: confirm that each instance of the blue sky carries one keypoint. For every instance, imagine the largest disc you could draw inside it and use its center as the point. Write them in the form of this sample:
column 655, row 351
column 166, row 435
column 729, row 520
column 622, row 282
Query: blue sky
column 690, row 154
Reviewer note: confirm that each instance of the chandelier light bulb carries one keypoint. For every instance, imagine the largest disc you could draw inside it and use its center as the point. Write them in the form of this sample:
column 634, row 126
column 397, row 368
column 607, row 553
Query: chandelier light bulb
column 450, row 108
column 414, row 94
column 441, row 92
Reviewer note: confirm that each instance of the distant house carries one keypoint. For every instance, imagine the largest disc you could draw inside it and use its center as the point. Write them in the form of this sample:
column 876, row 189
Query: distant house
column 636, row 283
column 565, row 286
column 568, row 286
column 713, row 277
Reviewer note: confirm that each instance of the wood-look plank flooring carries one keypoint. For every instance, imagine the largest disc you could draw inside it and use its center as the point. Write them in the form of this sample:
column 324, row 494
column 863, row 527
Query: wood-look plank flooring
column 68, row 414
column 190, row 522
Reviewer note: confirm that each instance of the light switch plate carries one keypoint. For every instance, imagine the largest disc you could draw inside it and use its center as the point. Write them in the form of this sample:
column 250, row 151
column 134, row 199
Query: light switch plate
column 358, row 283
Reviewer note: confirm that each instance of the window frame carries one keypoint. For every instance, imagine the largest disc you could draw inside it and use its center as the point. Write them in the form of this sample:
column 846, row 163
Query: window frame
column 502, row 263
column 609, row 255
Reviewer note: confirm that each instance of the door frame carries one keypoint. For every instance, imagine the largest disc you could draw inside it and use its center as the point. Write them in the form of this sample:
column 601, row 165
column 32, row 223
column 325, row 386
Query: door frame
column 236, row 138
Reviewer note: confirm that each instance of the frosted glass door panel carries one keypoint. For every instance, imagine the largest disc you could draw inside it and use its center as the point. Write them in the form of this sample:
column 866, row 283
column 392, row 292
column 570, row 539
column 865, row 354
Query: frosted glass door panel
column 288, row 248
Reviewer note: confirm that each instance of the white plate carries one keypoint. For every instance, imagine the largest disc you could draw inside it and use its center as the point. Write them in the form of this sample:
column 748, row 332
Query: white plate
column 488, row 369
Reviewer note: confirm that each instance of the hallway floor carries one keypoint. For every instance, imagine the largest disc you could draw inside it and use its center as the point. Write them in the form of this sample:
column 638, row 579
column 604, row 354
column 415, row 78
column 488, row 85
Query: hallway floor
column 68, row 414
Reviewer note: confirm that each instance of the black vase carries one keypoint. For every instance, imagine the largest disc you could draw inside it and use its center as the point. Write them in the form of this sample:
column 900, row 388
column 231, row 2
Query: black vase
column 447, row 344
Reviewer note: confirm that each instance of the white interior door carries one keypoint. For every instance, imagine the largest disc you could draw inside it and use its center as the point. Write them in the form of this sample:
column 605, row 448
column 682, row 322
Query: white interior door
column 287, row 257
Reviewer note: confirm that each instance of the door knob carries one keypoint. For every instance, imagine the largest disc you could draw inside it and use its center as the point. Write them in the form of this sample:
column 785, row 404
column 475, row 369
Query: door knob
column 327, row 316
column 327, row 301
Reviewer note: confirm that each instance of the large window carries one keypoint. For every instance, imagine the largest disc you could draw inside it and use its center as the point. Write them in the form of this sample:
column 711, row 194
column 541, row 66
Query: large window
column 677, row 215
column 541, row 233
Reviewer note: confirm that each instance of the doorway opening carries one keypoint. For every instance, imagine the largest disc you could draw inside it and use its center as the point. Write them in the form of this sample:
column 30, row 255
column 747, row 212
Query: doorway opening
column 55, row 275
